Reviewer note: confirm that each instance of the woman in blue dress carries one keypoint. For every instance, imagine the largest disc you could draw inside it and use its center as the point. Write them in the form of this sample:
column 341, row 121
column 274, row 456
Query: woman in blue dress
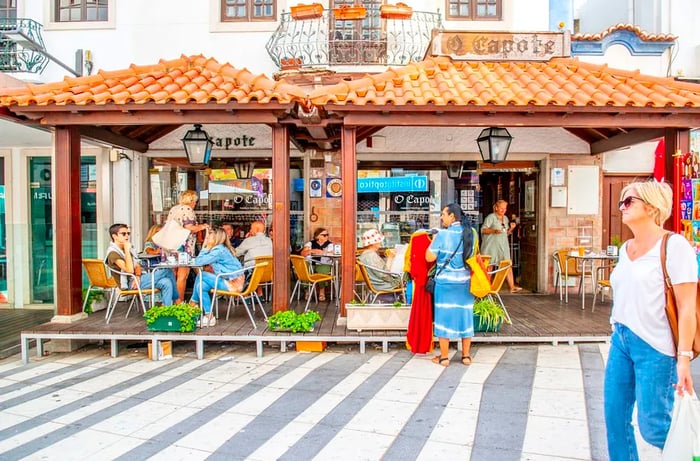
column 454, row 304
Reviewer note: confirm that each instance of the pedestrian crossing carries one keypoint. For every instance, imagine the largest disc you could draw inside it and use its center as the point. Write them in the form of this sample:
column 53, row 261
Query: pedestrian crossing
column 519, row 402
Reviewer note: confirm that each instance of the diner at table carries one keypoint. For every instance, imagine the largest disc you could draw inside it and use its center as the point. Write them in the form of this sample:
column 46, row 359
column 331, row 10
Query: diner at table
column 318, row 250
column 381, row 279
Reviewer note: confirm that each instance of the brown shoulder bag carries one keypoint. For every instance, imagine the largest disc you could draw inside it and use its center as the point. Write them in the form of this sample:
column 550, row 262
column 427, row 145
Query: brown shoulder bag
column 672, row 309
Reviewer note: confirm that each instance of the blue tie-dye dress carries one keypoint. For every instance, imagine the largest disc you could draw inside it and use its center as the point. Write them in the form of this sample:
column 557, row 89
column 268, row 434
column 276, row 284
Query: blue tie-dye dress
column 454, row 304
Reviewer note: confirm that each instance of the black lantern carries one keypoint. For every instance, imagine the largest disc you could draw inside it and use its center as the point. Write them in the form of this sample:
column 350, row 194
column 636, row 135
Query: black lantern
column 494, row 144
column 454, row 170
column 198, row 146
column 244, row 170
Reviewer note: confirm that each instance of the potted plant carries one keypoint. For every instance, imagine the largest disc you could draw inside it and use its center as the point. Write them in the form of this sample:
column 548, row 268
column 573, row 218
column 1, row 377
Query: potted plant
column 291, row 321
column 95, row 300
column 176, row 317
column 361, row 316
column 488, row 315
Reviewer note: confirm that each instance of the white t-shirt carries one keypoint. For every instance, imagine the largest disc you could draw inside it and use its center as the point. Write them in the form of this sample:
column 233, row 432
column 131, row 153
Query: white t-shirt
column 639, row 300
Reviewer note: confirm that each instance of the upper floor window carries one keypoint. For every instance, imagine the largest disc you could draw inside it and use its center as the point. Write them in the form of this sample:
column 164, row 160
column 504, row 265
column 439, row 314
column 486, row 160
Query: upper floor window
column 248, row 10
column 81, row 10
column 474, row 9
column 8, row 9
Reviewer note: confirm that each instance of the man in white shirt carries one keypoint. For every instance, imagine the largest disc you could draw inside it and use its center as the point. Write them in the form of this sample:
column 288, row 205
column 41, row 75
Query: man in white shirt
column 255, row 244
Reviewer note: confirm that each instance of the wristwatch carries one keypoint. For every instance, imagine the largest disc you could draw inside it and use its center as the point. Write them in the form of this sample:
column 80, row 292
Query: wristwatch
column 688, row 354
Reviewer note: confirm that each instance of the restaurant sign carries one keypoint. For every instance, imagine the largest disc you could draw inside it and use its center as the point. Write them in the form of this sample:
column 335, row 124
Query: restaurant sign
column 393, row 184
column 500, row 46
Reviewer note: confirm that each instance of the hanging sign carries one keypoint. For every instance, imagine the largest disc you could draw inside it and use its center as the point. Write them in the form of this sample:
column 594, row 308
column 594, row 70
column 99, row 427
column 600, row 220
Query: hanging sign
column 393, row 184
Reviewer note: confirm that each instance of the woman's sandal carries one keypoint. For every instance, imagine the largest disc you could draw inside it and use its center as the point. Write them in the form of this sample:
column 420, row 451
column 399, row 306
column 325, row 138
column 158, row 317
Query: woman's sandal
column 444, row 361
column 516, row 289
column 466, row 360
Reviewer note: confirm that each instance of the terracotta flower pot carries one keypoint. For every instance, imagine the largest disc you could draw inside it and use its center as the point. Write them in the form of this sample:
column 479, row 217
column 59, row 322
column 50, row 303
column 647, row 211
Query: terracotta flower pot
column 398, row 11
column 349, row 12
column 312, row 11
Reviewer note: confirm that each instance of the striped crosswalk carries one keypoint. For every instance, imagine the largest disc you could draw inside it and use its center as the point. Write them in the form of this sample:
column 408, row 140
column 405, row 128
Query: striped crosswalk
column 519, row 402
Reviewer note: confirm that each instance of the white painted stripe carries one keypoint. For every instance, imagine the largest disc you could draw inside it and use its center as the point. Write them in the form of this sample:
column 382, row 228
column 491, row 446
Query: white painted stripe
column 302, row 424
column 557, row 425
column 462, row 411
column 373, row 429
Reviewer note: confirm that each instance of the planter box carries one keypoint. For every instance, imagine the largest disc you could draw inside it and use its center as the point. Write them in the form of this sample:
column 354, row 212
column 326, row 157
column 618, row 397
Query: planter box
column 480, row 326
column 398, row 11
column 377, row 317
column 169, row 324
column 312, row 11
column 349, row 12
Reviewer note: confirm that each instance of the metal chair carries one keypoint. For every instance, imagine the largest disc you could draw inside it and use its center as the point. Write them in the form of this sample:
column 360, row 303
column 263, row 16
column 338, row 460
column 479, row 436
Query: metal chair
column 99, row 277
column 562, row 275
column 498, row 276
column 266, row 280
column 602, row 282
column 250, row 291
column 306, row 279
column 400, row 288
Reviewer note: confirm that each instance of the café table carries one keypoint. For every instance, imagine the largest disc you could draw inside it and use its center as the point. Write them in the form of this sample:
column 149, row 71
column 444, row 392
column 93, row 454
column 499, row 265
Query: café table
column 588, row 258
column 174, row 264
column 335, row 271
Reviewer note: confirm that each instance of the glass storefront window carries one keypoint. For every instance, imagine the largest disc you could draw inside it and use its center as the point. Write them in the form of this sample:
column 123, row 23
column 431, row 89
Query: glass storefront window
column 41, row 223
column 3, row 236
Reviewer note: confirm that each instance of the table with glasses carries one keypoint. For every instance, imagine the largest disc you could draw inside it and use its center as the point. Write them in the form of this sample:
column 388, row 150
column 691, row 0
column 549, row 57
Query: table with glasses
column 174, row 265
column 335, row 271
column 587, row 259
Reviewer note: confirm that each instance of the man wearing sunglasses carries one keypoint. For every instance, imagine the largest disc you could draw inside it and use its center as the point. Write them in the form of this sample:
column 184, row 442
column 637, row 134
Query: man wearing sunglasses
column 121, row 257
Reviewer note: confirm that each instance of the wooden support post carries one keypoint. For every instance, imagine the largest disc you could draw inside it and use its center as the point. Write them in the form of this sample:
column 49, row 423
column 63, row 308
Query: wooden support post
column 69, row 280
column 280, row 217
column 349, row 212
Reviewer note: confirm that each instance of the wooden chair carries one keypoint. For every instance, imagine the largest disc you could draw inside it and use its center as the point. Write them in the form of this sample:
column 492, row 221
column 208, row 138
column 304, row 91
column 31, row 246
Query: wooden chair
column 266, row 280
column 99, row 277
column 400, row 287
column 561, row 262
column 250, row 291
column 498, row 276
column 306, row 279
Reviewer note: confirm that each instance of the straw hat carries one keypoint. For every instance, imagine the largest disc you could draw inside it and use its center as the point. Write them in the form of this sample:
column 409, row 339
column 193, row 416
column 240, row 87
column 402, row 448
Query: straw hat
column 371, row 237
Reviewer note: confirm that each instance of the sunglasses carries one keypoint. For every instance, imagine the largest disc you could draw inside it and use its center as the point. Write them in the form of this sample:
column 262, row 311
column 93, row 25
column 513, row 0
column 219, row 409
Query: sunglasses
column 628, row 201
column 323, row 235
column 124, row 233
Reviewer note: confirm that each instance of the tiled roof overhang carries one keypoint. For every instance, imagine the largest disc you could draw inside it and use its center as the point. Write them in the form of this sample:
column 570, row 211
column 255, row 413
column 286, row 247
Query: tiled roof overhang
column 142, row 103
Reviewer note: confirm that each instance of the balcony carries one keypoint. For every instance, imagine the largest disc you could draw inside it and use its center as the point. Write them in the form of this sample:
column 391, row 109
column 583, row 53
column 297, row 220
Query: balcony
column 21, row 46
column 326, row 41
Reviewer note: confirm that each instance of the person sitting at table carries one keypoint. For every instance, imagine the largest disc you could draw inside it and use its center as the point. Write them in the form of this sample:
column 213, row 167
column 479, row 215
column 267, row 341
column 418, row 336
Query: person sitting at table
column 319, row 245
column 233, row 234
column 255, row 244
column 371, row 241
column 218, row 253
column 150, row 248
column 121, row 257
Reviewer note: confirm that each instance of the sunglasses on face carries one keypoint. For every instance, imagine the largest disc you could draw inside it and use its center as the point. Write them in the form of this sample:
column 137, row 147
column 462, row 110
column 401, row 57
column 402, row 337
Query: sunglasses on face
column 628, row 201
column 124, row 234
column 323, row 235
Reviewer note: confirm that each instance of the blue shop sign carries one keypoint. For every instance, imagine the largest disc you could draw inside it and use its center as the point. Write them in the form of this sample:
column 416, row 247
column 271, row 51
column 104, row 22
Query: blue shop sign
column 393, row 184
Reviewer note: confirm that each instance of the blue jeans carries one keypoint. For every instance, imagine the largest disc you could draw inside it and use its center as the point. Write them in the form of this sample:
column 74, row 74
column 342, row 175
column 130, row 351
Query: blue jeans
column 206, row 280
column 164, row 281
column 636, row 372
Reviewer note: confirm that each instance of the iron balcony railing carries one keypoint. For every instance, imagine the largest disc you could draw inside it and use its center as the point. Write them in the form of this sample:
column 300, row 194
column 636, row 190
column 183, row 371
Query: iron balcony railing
column 21, row 46
column 326, row 41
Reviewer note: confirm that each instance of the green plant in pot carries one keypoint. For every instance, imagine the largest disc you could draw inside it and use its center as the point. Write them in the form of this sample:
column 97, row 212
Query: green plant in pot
column 488, row 315
column 176, row 317
column 291, row 321
column 95, row 296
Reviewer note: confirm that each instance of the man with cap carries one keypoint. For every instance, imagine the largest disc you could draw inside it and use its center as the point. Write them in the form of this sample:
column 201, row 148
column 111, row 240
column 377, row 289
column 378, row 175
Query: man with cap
column 371, row 241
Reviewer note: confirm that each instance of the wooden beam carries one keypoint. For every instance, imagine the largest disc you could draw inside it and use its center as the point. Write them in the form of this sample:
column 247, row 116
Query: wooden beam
column 348, row 239
column 477, row 119
column 280, row 217
column 157, row 118
column 69, row 279
column 626, row 139
column 110, row 137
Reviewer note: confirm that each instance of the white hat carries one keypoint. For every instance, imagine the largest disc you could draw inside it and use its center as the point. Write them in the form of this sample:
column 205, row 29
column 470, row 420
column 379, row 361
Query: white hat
column 371, row 237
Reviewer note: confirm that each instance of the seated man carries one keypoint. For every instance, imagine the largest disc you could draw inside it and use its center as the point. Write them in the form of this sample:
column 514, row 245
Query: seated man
column 121, row 256
column 371, row 241
column 255, row 244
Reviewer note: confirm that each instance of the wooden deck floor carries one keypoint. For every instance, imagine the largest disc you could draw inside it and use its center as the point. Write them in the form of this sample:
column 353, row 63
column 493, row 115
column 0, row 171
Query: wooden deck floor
column 13, row 321
column 536, row 319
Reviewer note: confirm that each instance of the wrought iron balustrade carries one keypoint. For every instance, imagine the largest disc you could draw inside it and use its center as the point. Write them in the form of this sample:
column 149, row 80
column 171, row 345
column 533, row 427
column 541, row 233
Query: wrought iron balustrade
column 326, row 41
column 21, row 46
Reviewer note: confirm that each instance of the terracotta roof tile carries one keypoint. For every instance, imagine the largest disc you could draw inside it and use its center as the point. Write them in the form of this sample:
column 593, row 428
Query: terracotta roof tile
column 559, row 82
column 630, row 27
column 184, row 80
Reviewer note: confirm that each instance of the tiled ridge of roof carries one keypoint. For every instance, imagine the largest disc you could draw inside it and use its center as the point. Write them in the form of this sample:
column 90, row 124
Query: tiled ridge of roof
column 440, row 81
column 188, row 79
column 644, row 36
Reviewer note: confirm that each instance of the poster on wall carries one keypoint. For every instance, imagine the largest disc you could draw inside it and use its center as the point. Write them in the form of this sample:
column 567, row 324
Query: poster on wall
column 334, row 187
column 315, row 188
